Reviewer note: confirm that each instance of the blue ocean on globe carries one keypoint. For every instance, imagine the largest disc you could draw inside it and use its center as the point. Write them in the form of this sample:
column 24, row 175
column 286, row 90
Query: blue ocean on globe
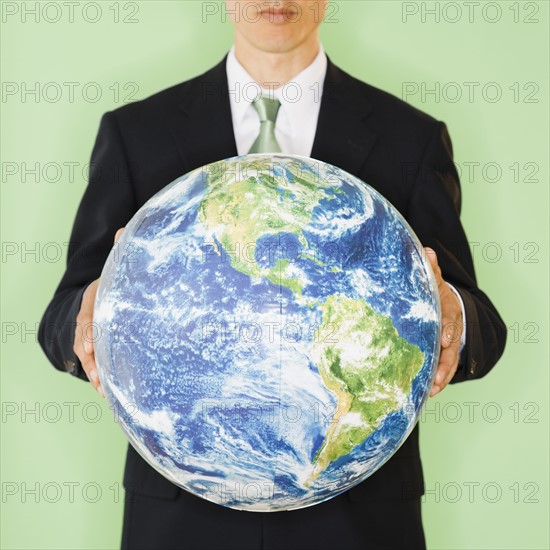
column 268, row 330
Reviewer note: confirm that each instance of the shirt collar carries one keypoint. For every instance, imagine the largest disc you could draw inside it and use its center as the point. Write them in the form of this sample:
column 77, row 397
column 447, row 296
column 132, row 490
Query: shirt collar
column 295, row 96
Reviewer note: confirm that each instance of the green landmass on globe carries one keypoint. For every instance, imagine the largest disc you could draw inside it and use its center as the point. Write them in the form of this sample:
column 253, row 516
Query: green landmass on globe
column 240, row 211
column 368, row 386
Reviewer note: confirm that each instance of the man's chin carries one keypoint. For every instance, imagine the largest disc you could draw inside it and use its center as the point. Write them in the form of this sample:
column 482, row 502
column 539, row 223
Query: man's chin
column 277, row 43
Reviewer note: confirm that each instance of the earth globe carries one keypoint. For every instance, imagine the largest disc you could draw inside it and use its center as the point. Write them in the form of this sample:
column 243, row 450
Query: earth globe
column 268, row 331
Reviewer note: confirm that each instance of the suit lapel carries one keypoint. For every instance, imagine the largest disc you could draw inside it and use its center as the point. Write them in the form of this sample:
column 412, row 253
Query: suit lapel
column 342, row 138
column 203, row 127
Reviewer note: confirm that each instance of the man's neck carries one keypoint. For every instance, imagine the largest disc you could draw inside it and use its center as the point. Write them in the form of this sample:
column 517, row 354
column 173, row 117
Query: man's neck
column 274, row 69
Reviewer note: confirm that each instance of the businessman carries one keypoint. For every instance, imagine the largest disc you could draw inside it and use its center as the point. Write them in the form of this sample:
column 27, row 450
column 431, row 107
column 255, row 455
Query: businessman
column 276, row 90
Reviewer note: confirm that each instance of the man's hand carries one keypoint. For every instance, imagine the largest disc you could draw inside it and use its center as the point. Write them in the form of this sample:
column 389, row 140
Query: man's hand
column 451, row 328
column 84, row 332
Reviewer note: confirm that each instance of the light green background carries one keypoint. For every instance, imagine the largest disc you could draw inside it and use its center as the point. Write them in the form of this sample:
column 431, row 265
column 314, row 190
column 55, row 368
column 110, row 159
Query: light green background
column 467, row 459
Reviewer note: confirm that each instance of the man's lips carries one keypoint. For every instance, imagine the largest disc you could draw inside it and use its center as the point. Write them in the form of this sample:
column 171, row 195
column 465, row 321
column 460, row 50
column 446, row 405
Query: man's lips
column 279, row 15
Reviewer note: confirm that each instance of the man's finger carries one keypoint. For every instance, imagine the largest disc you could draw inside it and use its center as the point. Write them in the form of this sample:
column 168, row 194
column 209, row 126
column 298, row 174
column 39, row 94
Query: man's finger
column 445, row 364
column 448, row 362
column 451, row 332
column 450, row 375
column 119, row 233
column 88, row 334
column 94, row 377
column 88, row 345
column 89, row 367
column 432, row 258
column 437, row 387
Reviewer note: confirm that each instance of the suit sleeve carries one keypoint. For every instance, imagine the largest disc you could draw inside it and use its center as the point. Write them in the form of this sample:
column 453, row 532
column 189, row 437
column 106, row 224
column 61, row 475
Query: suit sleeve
column 434, row 214
column 107, row 204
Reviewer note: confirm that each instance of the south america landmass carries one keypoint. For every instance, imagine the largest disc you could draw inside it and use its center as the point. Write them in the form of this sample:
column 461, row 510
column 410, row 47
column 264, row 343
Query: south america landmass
column 368, row 367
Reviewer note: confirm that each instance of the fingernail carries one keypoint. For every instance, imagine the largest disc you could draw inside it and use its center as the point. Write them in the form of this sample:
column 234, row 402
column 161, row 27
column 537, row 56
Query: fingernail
column 87, row 346
column 93, row 376
column 101, row 392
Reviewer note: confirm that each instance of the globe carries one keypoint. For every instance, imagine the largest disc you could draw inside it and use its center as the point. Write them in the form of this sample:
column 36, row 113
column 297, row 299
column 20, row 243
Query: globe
column 268, row 330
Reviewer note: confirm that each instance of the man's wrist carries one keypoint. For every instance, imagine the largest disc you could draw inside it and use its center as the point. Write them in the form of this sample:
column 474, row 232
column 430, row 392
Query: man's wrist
column 463, row 309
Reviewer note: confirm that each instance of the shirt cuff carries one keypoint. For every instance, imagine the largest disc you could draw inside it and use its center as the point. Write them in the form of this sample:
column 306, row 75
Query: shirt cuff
column 463, row 335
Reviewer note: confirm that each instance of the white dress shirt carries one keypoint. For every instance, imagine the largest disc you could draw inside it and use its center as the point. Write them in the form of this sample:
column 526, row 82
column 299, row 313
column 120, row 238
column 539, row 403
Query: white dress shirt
column 296, row 123
column 300, row 101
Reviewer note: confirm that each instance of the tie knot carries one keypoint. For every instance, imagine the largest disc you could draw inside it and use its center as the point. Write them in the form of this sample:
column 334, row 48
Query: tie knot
column 267, row 108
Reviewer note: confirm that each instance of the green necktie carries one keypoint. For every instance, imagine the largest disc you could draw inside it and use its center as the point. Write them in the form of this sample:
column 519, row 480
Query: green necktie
column 267, row 109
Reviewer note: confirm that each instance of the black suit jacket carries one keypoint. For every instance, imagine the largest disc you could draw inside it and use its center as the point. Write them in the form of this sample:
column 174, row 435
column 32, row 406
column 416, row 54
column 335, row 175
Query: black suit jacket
column 400, row 151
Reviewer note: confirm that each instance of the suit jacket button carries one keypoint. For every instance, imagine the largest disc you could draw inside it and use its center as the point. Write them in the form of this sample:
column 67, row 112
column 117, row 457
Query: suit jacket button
column 69, row 365
column 473, row 366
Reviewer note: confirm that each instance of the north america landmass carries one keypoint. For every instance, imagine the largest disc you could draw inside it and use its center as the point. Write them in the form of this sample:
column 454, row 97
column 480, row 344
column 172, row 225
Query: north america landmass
column 369, row 368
